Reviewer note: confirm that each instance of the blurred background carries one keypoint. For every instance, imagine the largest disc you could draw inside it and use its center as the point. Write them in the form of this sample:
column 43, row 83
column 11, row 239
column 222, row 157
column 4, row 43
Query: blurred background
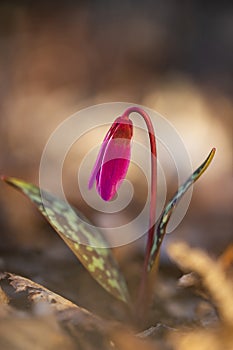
column 175, row 57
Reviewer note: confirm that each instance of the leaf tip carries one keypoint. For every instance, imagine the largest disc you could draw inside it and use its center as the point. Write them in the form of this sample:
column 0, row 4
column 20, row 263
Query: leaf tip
column 7, row 179
column 209, row 159
column 3, row 177
column 213, row 151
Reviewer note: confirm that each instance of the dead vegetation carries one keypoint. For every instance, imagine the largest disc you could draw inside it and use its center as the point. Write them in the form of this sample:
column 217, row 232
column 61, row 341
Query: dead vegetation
column 49, row 321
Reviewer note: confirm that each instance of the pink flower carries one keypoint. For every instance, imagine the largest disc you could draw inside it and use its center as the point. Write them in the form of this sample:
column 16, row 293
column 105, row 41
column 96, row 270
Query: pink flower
column 113, row 159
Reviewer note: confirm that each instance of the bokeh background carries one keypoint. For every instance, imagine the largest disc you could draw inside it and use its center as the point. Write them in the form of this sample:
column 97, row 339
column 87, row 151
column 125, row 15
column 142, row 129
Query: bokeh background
column 175, row 57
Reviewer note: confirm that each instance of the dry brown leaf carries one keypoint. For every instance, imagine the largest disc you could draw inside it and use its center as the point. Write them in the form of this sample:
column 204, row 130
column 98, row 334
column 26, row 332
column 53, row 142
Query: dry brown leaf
column 125, row 340
column 63, row 307
column 201, row 339
column 29, row 332
column 193, row 280
column 88, row 330
column 226, row 258
column 212, row 274
column 3, row 297
column 39, row 293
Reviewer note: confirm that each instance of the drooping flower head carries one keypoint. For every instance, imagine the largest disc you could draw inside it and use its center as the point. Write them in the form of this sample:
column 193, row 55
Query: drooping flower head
column 113, row 159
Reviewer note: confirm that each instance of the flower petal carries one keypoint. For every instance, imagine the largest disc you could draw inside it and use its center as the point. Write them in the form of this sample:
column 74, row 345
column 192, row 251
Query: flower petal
column 97, row 165
column 98, row 162
column 113, row 159
column 113, row 169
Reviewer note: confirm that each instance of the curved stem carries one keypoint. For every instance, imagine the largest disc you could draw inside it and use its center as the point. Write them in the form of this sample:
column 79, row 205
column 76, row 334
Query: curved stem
column 151, row 229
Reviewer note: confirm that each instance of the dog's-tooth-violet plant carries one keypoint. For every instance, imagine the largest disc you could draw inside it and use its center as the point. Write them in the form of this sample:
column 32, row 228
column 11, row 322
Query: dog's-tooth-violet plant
column 111, row 167
column 108, row 172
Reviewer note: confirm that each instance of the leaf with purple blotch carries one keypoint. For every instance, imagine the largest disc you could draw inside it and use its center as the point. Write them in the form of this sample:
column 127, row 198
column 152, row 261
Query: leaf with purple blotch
column 83, row 239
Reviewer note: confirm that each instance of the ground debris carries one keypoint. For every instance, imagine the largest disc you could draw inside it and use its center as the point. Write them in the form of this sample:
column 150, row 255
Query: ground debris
column 212, row 274
column 77, row 327
column 213, row 277
column 23, row 332
column 66, row 325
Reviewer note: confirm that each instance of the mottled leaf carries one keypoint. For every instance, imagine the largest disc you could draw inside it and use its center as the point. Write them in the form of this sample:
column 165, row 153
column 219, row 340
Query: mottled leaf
column 74, row 230
column 165, row 217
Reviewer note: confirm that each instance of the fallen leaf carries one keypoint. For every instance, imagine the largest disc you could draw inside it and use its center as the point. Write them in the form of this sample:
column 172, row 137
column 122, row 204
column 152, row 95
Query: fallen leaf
column 212, row 274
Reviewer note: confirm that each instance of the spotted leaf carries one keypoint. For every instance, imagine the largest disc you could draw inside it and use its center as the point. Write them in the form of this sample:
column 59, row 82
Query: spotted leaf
column 83, row 239
column 165, row 217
